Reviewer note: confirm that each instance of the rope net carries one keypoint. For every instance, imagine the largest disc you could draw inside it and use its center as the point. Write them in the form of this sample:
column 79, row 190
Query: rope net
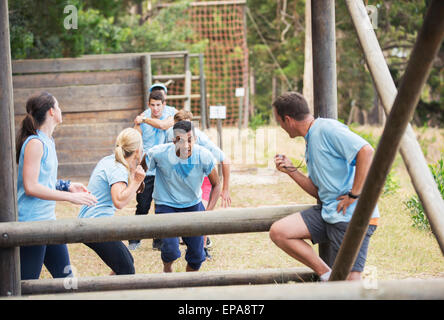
column 226, row 58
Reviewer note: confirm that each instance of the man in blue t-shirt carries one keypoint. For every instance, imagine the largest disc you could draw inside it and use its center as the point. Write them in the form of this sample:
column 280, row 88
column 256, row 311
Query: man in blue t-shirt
column 180, row 169
column 338, row 161
column 152, row 124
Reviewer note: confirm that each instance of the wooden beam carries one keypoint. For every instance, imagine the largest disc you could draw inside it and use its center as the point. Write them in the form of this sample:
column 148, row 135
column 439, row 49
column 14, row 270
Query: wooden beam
column 187, row 85
column 147, row 79
column 411, row 152
column 208, row 3
column 202, row 88
column 412, row 289
column 9, row 257
column 324, row 58
column 421, row 59
column 169, row 280
column 185, row 224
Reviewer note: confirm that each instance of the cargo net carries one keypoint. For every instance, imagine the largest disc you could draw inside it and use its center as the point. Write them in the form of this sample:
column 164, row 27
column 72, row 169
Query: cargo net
column 226, row 58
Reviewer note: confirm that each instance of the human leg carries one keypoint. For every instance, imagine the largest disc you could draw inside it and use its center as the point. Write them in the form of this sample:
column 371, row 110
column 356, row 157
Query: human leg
column 336, row 233
column 116, row 256
column 31, row 261
column 57, row 261
column 289, row 234
column 144, row 200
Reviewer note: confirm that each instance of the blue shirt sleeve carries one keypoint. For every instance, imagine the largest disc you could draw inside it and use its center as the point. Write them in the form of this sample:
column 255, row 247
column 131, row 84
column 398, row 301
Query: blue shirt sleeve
column 207, row 161
column 151, row 161
column 344, row 143
column 204, row 141
column 117, row 173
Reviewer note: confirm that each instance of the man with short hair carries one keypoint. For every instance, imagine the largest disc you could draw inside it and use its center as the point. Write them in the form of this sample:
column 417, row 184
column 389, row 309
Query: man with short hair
column 180, row 169
column 152, row 124
column 338, row 161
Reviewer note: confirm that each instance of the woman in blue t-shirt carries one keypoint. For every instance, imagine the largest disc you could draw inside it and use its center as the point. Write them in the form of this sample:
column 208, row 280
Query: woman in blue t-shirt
column 38, row 188
column 115, row 181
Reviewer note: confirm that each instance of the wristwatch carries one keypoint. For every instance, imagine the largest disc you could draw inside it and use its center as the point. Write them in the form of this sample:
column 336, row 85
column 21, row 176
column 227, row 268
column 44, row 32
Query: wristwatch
column 353, row 196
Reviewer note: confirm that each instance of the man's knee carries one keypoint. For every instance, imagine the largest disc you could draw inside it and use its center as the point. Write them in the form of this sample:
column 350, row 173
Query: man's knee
column 276, row 234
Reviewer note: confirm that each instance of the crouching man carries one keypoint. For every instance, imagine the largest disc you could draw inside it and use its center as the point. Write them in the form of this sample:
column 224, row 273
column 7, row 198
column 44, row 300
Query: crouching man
column 338, row 161
column 180, row 169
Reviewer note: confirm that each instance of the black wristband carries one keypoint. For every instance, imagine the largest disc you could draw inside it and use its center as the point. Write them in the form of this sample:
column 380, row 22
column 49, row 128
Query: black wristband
column 353, row 196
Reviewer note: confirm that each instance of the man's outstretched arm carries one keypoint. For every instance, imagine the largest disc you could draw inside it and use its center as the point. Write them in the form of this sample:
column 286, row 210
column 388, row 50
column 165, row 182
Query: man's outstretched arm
column 284, row 164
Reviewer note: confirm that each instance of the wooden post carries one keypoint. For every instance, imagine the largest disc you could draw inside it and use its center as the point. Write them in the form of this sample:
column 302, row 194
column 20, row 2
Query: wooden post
column 146, row 78
column 219, row 144
column 9, row 257
column 324, row 72
column 426, row 47
column 187, row 103
column 411, row 152
column 203, row 97
column 324, row 58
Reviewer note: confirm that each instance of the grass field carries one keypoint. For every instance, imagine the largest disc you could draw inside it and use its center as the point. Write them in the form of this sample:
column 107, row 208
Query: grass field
column 397, row 250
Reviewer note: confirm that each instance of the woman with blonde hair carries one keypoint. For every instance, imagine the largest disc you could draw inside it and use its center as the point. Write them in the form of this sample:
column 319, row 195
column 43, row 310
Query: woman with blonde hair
column 38, row 188
column 115, row 181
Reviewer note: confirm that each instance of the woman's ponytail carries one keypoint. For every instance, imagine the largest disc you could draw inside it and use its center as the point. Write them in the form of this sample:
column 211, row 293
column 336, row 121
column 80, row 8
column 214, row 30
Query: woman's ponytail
column 36, row 108
column 128, row 141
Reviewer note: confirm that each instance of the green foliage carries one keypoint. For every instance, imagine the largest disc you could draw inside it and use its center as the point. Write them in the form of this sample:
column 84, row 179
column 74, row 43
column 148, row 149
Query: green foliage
column 103, row 27
column 414, row 205
column 256, row 121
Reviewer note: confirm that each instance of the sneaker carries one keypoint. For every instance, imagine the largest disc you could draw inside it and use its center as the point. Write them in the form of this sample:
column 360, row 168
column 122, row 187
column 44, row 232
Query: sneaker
column 157, row 243
column 134, row 245
column 209, row 243
column 207, row 255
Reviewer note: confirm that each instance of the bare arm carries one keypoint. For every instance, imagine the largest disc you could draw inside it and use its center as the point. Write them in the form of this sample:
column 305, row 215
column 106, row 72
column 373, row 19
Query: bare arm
column 364, row 159
column 31, row 170
column 121, row 193
column 284, row 164
column 215, row 189
column 225, row 194
column 156, row 123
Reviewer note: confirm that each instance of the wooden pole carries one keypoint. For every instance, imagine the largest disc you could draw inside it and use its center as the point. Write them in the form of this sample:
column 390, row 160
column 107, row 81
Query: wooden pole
column 184, row 224
column 411, row 152
column 187, row 104
column 168, row 280
column 219, row 143
column 9, row 257
column 412, row 289
column 146, row 78
column 324, row 73
column 324, row 58
column 203, row 98
column 426, row 47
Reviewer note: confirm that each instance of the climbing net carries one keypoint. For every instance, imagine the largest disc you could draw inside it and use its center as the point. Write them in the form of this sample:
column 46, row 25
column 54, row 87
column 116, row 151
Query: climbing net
column 223, row 24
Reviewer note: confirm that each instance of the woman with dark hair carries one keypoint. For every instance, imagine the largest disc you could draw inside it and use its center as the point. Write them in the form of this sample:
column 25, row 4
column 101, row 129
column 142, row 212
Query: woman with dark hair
column 38, row 188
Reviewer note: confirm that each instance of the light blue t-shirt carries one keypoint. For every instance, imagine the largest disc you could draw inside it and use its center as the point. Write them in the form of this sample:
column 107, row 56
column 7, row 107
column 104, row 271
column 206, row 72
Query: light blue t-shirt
column 202, row 140
column 178, row 181
column 152, row 136
column 32, row 208
column 106, row 173
column 331, row 150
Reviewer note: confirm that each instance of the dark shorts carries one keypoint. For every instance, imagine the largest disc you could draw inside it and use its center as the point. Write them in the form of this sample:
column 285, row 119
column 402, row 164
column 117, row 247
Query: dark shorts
column 333, row 234
column 169, row 249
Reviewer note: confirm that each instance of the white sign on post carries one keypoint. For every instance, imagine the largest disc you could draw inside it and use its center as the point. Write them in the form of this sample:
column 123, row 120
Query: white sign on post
column 240, row 92
column 218, row 112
